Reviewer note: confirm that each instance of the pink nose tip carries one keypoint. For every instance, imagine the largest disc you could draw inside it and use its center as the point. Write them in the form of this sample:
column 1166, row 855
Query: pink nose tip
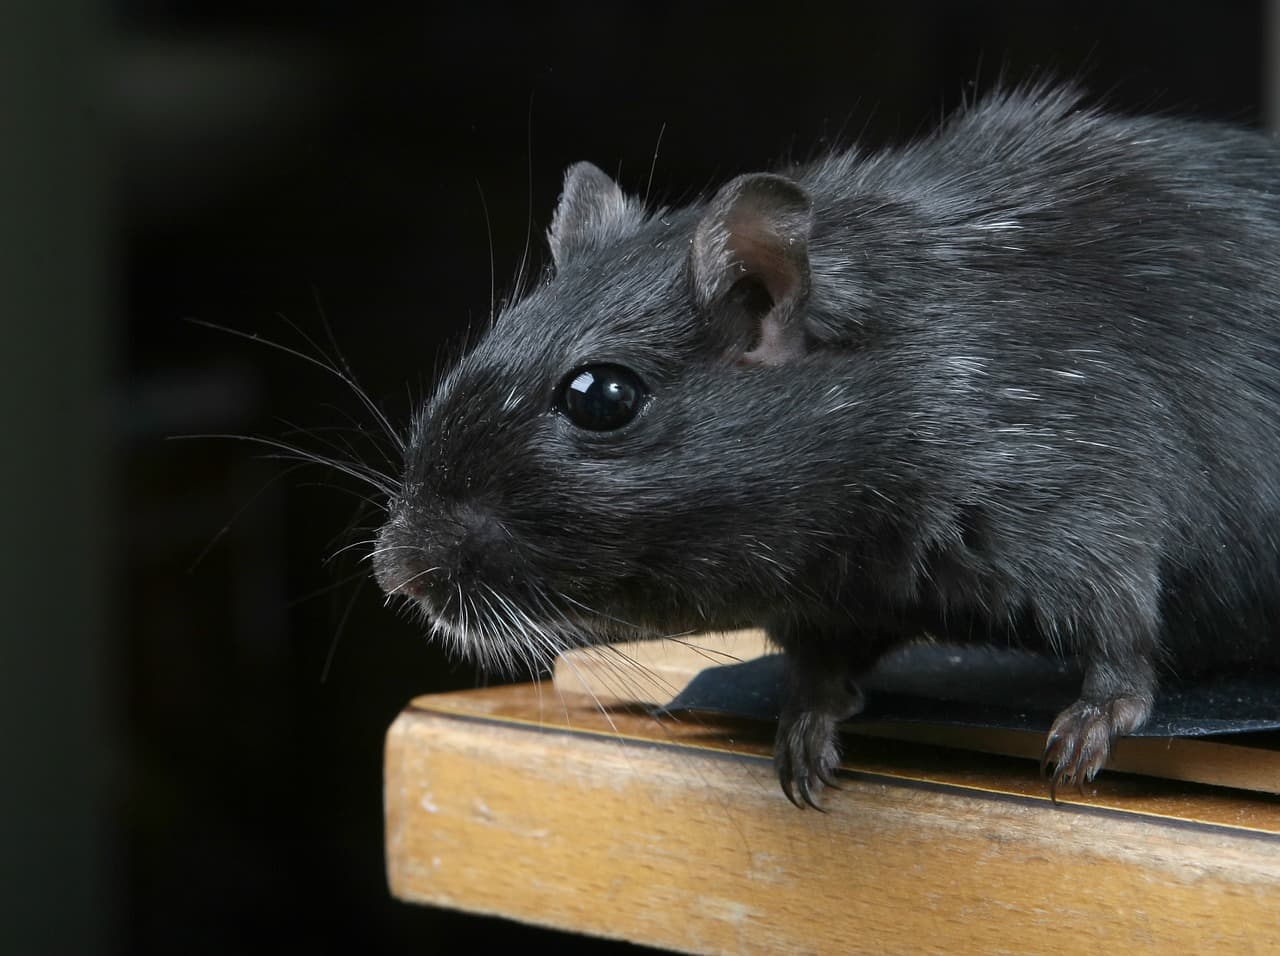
column 414, row 585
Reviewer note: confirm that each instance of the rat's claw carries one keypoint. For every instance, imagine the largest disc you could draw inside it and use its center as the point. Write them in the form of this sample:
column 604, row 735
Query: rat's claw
column 1079, row 741
column 828, row 777
column 806, row 756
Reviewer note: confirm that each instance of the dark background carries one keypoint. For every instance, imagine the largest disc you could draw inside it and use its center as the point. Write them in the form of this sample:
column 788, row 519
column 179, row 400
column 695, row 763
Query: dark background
column 201, row 675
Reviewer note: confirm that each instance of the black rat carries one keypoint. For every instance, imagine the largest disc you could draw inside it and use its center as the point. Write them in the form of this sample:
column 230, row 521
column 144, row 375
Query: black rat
column 1015, row 383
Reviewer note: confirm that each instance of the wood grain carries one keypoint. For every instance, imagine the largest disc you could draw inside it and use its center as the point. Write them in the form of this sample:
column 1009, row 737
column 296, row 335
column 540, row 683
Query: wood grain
column 543, row 807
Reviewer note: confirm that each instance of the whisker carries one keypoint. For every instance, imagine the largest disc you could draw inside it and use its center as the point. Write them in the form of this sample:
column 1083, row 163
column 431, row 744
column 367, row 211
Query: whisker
column 339, row 443
column 226, row 528
column 327, row 589
column 521, row 272
column 493, row 271
column 320, row 363
column 654, row 164
column 337, row 635
column 352, row 469
column 362, row 543
column 409, row 580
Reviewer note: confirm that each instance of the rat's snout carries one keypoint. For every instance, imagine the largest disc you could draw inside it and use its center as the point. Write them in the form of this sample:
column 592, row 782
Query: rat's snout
column 436, row 554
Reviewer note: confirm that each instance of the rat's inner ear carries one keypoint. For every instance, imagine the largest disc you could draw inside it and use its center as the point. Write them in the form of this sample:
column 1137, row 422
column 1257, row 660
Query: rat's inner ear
column 592, row 210
column 740, row 316
column 750, row 267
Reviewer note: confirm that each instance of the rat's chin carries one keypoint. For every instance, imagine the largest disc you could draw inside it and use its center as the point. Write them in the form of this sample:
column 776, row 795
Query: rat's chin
column 516, row 635
column 494, row 631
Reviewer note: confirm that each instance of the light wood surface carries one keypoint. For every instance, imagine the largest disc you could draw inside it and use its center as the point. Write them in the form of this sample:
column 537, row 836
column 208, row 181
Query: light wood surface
column 653, row 672
column 549, row 808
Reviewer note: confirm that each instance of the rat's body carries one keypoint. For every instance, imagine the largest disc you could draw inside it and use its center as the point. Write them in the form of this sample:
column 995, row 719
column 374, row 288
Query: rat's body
column 1017, row 382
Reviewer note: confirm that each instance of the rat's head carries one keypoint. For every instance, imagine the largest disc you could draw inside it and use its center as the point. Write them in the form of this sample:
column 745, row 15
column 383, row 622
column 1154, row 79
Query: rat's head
column 604, row 463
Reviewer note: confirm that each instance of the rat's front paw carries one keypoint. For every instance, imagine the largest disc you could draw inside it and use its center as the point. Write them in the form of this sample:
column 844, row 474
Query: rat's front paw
column 1080, row 739
column 806, row 752
column 806, row 755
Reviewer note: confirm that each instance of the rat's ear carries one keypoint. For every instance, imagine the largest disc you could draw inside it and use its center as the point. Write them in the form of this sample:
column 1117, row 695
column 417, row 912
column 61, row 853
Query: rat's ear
column 750, row 266
column 593, row 209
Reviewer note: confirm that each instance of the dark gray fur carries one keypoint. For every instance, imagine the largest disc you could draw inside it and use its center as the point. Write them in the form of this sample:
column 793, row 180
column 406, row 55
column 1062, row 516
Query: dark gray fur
column 1016, row 382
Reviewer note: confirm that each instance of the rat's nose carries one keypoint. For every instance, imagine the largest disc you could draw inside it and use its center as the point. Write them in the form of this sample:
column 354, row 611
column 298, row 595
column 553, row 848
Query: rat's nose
column 429, row 554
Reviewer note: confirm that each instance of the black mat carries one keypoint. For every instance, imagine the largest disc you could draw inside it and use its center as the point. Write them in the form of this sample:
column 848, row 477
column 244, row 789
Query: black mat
column 977, row 687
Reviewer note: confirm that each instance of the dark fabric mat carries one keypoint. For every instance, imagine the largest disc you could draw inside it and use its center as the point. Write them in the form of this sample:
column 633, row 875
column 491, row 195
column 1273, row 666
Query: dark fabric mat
column 940, row 684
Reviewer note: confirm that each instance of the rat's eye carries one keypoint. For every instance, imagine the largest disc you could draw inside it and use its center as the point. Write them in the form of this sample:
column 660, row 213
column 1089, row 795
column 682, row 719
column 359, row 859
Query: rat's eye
column 601, row 398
